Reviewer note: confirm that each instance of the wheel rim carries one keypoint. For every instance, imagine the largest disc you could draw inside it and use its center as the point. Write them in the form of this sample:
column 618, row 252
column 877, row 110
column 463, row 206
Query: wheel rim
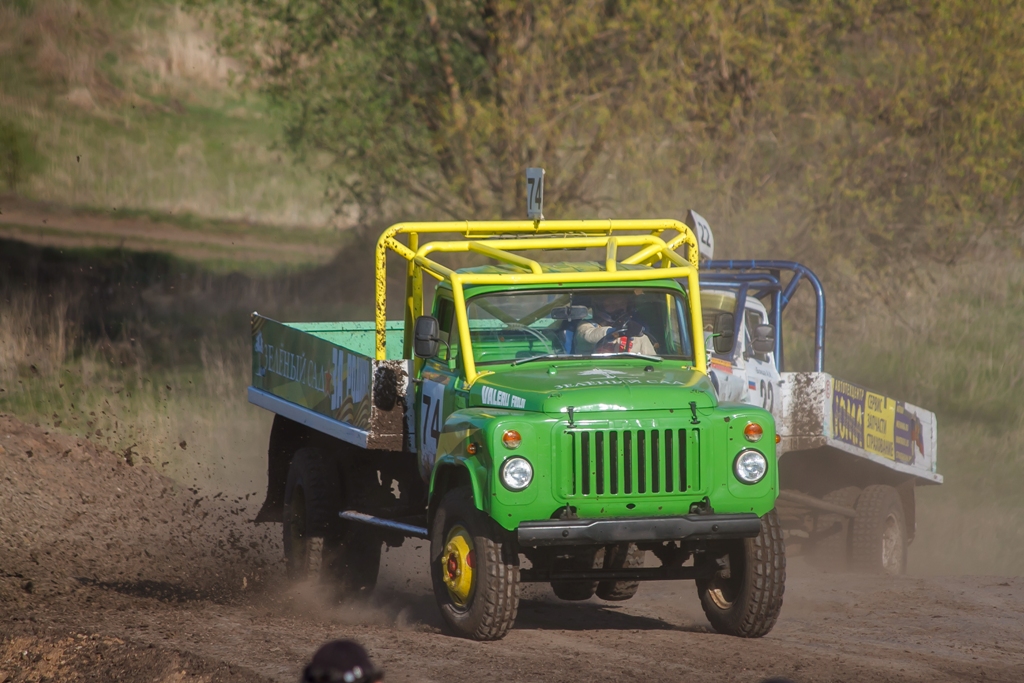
column 892, row 545
column 722, row 591
column 457, row 565
column 719, row 598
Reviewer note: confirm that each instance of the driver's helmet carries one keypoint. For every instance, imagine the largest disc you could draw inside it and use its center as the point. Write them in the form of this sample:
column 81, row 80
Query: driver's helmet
column 613, row 309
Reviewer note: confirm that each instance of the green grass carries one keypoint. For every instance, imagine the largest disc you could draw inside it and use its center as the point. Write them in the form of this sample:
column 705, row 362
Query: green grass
column 128, row 106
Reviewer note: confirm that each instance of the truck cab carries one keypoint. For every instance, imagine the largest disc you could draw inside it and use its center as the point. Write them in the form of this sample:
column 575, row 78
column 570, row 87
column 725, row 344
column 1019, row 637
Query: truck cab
column 742, row 363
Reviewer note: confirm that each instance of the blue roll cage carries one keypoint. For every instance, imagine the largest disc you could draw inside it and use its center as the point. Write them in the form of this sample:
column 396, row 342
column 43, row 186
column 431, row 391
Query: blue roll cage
column 766, row 279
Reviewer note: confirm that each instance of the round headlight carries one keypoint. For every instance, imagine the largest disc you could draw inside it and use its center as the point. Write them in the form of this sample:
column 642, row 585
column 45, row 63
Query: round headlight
column 750, row 467
column 516, row 474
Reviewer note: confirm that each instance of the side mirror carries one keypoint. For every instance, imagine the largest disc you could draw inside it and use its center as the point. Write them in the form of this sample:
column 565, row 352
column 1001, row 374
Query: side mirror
column 724, row 338
column 426, row 336
column 569, row 313
column 763, row 340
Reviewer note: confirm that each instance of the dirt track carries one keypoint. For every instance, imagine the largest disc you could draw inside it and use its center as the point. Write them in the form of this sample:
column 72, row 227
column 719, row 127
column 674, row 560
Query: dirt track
column 49, row 225
column 112, row 572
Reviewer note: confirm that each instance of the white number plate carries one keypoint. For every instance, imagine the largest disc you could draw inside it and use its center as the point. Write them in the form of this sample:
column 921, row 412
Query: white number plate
column 431, row 419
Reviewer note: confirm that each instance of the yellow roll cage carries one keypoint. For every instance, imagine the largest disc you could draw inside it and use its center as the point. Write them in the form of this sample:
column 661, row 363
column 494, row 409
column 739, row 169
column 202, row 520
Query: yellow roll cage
column 498, row 239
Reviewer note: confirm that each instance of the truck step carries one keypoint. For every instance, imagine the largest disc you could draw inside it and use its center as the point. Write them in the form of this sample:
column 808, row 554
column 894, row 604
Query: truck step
column 702, row 571
column 406, row 529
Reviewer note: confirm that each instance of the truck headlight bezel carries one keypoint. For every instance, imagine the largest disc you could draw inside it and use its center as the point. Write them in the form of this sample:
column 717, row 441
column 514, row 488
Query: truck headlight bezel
column 516, row 474
column 750, row 466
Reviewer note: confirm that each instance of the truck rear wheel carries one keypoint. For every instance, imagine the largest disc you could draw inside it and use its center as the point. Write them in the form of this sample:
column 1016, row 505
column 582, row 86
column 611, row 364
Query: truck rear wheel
column 831, row 550
column 878, row 535
column 587, row 558
column 620, row 556
column 474, row 569
column 747, row 602
column 317, row 545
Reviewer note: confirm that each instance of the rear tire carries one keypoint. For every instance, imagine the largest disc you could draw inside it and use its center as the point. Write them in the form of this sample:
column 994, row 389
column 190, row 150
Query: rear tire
column 620, row 556
column 748, row 602
column 474, row 569
column 318, row 545
column 576, row 591
column 878, row 535
column 831, row 551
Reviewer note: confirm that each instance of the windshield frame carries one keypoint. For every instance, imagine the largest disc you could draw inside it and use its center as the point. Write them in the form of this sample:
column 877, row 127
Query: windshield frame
column 681, row 309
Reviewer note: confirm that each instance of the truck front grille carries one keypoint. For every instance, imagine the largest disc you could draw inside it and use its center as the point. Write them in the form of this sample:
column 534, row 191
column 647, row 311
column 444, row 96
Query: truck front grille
column 628, row 462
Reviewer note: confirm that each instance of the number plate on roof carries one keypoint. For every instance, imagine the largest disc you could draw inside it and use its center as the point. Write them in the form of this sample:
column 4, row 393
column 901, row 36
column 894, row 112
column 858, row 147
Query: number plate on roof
column 535, row 193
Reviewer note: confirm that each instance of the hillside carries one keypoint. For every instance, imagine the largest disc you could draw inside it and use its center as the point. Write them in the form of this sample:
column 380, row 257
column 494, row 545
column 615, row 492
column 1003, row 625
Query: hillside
column 121, row 106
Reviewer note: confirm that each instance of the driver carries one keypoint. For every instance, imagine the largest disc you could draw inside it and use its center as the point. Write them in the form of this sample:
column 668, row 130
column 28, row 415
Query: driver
column 613, row 328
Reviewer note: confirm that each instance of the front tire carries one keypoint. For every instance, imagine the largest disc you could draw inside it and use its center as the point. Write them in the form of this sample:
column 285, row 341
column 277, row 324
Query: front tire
column 474, row 569
column 747, row 602
column 878, row 536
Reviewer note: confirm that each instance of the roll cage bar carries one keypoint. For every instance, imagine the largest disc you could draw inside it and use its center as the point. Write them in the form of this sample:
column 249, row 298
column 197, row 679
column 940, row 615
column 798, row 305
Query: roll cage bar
column 766, row 279
column 500, row 239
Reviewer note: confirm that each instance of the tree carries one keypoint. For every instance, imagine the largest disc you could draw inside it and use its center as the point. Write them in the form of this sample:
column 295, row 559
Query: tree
column 448, row 102
column 872, row 133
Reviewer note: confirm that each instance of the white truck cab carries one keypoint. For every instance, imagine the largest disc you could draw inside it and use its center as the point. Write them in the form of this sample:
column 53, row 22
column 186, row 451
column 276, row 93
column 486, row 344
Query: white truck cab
column 742, row 367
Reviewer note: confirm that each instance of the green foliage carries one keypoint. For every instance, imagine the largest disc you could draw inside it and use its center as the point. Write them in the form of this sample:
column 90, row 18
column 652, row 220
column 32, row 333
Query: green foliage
column 869, row 133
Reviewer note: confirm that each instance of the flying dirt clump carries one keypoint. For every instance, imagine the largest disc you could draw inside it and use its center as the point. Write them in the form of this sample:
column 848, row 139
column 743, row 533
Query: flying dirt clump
column 77, row 514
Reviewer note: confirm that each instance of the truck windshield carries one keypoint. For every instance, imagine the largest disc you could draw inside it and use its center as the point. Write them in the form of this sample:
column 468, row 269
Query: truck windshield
column 509, row 326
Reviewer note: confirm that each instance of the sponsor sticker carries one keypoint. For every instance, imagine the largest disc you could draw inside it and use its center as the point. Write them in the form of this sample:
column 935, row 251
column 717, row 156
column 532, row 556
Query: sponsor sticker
column 501, row 399
column 848, row 412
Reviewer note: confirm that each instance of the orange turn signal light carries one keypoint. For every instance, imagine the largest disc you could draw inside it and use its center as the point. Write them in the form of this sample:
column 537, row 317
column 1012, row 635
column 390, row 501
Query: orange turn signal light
column 472, row 448
column 511, row 439
column 778, row 439
column 753, row 432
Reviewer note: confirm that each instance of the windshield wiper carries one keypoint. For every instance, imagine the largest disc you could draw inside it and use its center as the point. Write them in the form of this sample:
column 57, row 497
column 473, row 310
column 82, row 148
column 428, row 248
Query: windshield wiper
column 627, row 354
column 546, row 356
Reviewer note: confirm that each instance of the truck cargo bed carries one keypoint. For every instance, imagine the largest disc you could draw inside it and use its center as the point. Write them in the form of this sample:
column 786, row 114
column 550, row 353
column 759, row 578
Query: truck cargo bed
column 323, row 375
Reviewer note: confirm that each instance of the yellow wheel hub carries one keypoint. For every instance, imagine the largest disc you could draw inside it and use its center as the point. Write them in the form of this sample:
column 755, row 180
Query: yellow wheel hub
column 457, row 563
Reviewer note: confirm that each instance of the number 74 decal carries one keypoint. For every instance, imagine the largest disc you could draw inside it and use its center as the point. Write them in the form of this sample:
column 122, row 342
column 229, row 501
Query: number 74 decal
column 431, row 419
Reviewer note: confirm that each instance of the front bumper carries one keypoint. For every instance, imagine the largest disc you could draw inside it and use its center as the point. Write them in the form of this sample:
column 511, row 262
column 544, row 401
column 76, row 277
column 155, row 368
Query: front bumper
column 638, row 529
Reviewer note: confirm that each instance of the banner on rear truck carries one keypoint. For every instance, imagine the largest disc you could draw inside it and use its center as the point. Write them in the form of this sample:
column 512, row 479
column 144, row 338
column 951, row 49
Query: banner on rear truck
column 882, row 426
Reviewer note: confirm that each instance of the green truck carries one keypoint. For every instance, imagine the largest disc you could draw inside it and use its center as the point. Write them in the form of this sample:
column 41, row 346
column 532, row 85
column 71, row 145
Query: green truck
column 544, row 420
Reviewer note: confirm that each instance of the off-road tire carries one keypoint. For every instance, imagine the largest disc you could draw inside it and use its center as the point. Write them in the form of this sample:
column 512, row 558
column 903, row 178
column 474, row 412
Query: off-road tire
column 831, row 551
column 492, row 606
column 318, row 545
column 620, row 556
column 748, row 603
column 878, row 534
column 575, row 591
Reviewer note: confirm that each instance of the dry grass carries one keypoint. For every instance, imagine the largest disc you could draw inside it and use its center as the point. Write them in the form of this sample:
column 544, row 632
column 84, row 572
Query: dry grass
column 32, row 334
column 192, row 422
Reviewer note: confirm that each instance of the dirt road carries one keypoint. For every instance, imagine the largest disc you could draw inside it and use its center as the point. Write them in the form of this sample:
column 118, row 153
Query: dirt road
column 51, row 225
column 109, row 571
